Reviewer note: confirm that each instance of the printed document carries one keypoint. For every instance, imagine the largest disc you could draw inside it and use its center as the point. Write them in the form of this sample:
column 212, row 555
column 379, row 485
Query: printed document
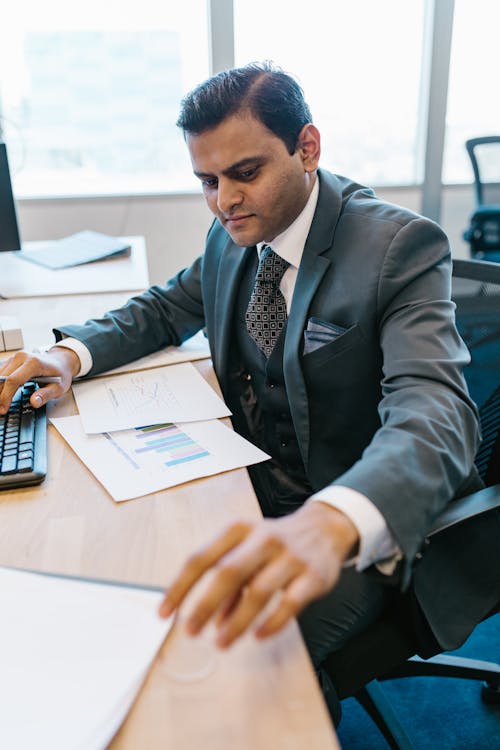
column 177, row 393
column 132, row 463
column 74, row 655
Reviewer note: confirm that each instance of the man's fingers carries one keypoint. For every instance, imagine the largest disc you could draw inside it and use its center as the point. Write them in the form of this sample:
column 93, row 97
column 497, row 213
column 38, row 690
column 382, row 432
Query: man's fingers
column 38, row 398
column 227, row 608
column 255, row 597
column 294, row 557
column 301, row 591
column 8, row 389
column 199, row 563
column 43, row 395
column 286, row 609
column 23, row 367
column 233, row 572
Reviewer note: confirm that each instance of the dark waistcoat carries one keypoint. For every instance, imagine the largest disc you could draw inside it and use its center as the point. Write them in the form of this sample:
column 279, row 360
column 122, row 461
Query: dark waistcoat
column 261, row 412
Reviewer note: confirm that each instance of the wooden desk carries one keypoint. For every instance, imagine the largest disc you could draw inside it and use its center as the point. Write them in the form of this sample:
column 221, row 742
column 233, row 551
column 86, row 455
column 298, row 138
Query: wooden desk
column 255, row 695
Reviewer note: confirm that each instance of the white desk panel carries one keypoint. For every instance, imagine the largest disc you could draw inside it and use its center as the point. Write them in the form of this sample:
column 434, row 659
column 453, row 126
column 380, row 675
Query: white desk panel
column 20, row 278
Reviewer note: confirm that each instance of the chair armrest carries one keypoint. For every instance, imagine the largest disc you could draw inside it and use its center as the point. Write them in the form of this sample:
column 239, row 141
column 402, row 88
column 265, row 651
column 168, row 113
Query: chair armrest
column 466, row 507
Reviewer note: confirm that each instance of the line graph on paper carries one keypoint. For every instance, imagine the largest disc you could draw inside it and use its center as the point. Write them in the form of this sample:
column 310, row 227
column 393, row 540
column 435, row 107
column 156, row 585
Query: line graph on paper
column 140, row 393
column 175, row 393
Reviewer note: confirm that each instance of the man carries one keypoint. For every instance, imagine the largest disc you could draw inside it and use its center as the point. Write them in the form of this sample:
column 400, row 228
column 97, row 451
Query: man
column 337, row 353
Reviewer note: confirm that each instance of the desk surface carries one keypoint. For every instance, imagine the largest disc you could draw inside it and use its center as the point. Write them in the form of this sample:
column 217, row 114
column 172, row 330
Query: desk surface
column 254, row 696
column 20, row 278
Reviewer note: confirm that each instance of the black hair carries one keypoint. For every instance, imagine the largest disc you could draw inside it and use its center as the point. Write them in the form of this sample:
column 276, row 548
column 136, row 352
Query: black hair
column 267, row 92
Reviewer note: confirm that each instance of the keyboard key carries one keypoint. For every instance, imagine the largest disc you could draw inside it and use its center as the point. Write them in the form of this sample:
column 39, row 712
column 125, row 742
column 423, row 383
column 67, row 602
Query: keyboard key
column 27, row 431
column 9, row 464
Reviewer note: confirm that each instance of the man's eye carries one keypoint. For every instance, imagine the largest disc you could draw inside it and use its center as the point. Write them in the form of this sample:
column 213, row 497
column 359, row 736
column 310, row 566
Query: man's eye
column 247, row 174
column 209, row 182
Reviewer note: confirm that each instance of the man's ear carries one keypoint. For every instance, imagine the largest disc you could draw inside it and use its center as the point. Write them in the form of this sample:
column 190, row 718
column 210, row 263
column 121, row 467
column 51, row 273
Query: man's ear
column 309, row 146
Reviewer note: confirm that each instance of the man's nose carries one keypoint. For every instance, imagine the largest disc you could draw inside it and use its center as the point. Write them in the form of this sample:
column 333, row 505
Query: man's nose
column 228, row 196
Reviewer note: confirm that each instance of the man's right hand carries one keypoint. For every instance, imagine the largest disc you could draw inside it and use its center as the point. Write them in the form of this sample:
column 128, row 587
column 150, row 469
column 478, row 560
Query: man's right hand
column 24, row 366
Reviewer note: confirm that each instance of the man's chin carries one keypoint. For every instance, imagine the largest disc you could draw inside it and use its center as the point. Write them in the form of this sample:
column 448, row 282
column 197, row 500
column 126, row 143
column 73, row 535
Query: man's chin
column 243, row 239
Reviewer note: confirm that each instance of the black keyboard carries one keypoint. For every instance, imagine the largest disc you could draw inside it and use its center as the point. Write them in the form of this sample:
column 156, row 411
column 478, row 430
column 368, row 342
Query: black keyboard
column 23, row 442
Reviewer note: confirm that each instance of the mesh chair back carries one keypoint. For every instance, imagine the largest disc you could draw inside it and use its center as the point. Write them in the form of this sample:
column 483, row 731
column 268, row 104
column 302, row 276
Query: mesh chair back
column 484, row 154
column 476, row 292
column 483, row 233
column 488, row 456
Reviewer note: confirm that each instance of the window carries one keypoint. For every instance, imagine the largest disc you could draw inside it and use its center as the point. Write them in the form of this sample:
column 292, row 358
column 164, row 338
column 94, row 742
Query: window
column 90, row 94
column 473, row 107
column 359, row 65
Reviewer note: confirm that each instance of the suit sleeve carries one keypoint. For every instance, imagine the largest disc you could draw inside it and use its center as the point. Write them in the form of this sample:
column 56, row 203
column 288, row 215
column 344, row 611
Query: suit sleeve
column 424, row 449
column 162, row 316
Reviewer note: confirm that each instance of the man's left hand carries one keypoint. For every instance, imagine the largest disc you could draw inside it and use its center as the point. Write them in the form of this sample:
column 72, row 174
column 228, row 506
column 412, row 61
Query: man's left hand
column 300, row 556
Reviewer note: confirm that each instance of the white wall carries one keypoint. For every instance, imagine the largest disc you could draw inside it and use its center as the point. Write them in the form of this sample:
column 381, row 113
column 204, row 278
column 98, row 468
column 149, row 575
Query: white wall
column 175, row 225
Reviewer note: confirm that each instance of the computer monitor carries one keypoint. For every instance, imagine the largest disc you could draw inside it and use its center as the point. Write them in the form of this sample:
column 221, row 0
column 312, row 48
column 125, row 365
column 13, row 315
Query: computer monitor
column 9, row 232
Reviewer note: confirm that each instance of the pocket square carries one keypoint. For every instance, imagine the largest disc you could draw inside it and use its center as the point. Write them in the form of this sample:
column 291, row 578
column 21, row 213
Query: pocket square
column 319, row 333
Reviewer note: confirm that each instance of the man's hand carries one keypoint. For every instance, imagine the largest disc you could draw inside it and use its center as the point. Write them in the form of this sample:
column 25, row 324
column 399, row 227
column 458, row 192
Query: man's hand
column 299, row 556
column 23, row 366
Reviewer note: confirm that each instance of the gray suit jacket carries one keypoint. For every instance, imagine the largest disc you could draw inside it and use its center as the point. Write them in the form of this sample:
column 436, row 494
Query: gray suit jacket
column 382, row 408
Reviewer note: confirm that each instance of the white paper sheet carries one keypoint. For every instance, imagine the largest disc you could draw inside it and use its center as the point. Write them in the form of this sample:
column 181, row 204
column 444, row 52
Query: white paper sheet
column 177, row 393
column 74, row 655
column 132, row 463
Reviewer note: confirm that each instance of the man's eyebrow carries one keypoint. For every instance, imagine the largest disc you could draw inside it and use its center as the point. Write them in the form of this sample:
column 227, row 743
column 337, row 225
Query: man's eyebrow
column 248, row 161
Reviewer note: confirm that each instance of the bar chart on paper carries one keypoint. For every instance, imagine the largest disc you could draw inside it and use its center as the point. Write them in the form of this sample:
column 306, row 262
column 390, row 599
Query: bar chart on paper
column 136, row 462
column 170, row 442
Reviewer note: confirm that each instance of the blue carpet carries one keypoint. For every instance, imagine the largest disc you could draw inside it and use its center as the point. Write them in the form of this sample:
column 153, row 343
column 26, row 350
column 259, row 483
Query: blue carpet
column 436, row 712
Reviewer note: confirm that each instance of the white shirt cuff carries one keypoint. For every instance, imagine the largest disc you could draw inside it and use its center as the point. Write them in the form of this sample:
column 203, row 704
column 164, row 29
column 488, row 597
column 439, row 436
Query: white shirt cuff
column 81, row 352
column 376, row 543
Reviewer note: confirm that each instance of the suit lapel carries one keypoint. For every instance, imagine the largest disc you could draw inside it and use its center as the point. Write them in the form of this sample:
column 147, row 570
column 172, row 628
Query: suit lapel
column 229, row 274
column 313, row 267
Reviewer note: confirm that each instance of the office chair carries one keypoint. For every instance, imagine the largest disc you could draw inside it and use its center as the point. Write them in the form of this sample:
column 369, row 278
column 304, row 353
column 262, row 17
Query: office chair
column 483, row 233
column 388, row 649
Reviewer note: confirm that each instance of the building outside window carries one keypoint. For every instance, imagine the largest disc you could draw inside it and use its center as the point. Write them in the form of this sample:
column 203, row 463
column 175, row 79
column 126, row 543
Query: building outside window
column 89, row 95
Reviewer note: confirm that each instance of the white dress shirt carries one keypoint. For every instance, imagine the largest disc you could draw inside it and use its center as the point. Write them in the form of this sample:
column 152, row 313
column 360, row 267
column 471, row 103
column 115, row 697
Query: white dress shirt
column 377, row 545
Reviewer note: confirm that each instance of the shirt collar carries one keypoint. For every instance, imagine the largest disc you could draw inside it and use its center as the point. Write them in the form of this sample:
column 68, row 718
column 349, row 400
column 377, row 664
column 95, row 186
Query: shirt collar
column 289, row 245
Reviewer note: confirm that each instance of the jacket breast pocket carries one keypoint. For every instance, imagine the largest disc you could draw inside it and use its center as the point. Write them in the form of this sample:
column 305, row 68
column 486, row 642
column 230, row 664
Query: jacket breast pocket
column 339, row 345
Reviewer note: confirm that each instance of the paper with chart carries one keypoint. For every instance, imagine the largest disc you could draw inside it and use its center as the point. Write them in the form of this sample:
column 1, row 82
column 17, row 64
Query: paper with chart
column 177, row 393
column 133, row 463
column 74, row 655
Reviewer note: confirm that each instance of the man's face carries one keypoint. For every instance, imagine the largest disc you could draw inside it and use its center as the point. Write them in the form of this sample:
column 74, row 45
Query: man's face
column 250, row 181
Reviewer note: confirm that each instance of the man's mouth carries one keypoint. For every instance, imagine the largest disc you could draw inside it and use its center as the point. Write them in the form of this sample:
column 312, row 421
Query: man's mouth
column 234, row 221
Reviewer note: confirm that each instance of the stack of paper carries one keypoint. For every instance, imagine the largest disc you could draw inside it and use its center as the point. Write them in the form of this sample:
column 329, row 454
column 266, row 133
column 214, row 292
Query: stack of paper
column 143, row 431
column 74, row 655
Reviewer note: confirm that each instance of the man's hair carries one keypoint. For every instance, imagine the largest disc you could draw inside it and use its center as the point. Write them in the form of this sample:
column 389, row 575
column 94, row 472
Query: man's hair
column 262, row 89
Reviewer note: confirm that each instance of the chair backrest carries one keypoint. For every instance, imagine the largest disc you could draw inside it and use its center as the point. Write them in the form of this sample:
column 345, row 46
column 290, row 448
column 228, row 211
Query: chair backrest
column 484, row 154
column 476, row 292
column 399, row 632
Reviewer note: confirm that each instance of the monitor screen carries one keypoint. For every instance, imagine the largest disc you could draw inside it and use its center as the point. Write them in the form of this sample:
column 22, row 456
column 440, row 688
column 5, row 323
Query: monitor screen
column 9, row 232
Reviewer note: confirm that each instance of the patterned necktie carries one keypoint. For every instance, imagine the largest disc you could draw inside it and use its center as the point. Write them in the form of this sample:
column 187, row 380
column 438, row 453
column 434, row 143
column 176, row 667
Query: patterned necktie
column 266, row 311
